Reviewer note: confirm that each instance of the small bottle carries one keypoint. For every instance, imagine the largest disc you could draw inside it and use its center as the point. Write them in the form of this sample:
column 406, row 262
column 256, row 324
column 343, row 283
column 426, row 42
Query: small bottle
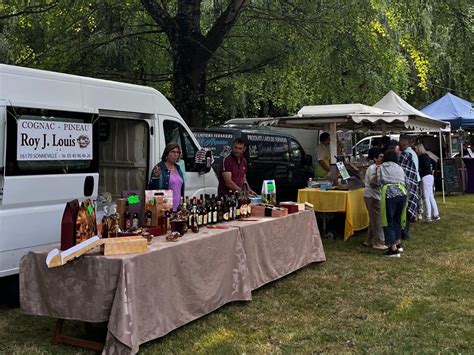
column 148, row 218
column 219, row 211
column 127, row 218
column 135, row 220
column 194, row 224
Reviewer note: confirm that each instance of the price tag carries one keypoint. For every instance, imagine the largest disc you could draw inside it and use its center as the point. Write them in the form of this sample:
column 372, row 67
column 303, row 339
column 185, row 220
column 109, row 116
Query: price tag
column 133, row 199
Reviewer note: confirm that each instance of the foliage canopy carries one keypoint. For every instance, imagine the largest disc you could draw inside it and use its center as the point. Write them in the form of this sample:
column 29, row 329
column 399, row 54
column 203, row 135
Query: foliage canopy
column 275, row 56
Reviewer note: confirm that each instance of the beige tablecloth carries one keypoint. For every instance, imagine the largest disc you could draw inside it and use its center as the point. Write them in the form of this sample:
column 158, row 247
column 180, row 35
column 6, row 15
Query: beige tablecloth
column 283, row 245
column 145, row 296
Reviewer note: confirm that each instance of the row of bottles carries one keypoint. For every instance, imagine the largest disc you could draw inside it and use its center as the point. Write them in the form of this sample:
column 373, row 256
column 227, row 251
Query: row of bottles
column 211, row 209
column 192, row 213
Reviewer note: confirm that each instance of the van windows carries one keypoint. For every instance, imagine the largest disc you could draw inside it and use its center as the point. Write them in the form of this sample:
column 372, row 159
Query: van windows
column 268, row 147
column 35, row 166
column 296, row 153
column 175, row 132
column 123, row 155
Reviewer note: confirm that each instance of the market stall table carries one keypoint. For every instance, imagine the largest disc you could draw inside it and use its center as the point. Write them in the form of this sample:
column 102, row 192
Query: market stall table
column 351, row 202
column 145, row 296
column 280, row 247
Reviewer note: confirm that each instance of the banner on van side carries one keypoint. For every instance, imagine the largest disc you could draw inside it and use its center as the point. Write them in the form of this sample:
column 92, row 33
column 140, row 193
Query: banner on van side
column 265, row 138
column 51, row 140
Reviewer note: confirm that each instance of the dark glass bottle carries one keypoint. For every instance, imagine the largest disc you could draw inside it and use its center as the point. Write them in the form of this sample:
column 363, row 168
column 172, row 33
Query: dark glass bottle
column 148, row 218
column 194, row 220
column 237, row 204
column 135, row 220
column 230, row 206
column 220, row 211
column 199, row 214
column 127, row 218
column 204, row 212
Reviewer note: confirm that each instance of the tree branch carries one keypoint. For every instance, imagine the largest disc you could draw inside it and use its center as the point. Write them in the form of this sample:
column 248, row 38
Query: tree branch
column 30, row 10
column 160, row 15
column 221, row 27
column 239, row 70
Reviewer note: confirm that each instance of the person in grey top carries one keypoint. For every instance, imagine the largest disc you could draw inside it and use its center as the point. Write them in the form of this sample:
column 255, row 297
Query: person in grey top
column 393, row 199
column 375, row 237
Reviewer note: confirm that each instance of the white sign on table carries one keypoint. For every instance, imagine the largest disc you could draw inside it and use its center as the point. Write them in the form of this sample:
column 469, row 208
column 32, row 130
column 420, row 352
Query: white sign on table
column 50, row 140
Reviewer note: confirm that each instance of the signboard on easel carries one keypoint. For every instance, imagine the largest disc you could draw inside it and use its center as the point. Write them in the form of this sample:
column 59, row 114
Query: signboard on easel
column 452, row 175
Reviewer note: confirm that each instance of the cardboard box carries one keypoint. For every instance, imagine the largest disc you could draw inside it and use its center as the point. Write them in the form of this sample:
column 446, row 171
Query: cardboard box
column 261, row 210
column 291, row 207
column 279, row 212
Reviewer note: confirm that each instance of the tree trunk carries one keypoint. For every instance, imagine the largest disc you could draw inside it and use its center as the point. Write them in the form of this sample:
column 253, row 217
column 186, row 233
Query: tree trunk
column 191, row 50
column 189, row 86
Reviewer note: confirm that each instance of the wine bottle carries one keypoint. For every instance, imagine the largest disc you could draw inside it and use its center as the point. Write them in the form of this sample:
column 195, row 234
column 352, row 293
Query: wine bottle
column 220, row 211
column 135, row 220
column 204, row 212
column 194, row 220
column 127, row 217
column 148, row 218
column 238, row 203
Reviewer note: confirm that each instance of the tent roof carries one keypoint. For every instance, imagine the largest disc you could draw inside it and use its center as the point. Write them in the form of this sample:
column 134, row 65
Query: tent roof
column 339, row 110
column 392, row 102
column 357, row 117
column 459, row 112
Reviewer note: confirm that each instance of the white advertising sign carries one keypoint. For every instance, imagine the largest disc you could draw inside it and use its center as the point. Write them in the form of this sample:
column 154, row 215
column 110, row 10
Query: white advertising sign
column 49, row 140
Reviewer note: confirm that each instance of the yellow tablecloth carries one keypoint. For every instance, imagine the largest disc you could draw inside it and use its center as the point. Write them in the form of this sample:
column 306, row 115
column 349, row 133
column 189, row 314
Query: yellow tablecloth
column 351, row 202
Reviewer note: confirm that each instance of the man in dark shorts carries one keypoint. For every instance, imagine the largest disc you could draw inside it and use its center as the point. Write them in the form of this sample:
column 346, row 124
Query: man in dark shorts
column 233, row 170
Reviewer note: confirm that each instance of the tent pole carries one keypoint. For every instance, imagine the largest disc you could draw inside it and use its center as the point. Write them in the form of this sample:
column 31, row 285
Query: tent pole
column 442, row 167
column 333, row 145
column 450, row 145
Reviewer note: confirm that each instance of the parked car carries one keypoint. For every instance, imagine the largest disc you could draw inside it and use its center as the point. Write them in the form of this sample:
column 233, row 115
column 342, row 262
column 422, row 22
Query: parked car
column 270, row 155
column 361, row 149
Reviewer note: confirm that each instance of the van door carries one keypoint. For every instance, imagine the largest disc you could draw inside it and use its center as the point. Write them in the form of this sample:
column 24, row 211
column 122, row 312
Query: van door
column 195, row 182
column 124, row 152
column 51, row 158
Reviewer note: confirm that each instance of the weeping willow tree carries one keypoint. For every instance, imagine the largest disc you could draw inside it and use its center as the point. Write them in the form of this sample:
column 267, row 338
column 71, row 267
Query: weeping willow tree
column 218, row 59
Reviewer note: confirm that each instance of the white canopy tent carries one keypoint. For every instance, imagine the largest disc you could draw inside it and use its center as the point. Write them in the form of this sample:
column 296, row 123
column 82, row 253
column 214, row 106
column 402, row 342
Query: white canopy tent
column 360, row 118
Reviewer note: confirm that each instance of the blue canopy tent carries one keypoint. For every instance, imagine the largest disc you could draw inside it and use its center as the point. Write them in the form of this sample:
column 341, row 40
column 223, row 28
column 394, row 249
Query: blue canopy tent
column 453, row 109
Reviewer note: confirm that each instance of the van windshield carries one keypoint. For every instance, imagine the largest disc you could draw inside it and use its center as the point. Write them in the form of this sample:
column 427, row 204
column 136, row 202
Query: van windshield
column 49, row 142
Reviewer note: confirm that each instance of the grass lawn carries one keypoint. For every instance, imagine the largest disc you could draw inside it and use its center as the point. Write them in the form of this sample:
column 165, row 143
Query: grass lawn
column 357, row 301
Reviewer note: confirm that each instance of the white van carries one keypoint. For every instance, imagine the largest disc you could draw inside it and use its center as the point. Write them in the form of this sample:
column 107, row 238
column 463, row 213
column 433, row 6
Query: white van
column 64, row 137
column 361, row 149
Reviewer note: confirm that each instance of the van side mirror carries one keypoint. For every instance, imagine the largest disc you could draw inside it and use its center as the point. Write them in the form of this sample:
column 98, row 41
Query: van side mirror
column 308, row 159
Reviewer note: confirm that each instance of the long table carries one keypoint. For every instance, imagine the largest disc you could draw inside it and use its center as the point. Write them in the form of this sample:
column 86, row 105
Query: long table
column 145, row 296
column 350, row 202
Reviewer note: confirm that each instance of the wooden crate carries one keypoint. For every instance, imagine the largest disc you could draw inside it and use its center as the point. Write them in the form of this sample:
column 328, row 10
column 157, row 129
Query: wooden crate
column 125, row 245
